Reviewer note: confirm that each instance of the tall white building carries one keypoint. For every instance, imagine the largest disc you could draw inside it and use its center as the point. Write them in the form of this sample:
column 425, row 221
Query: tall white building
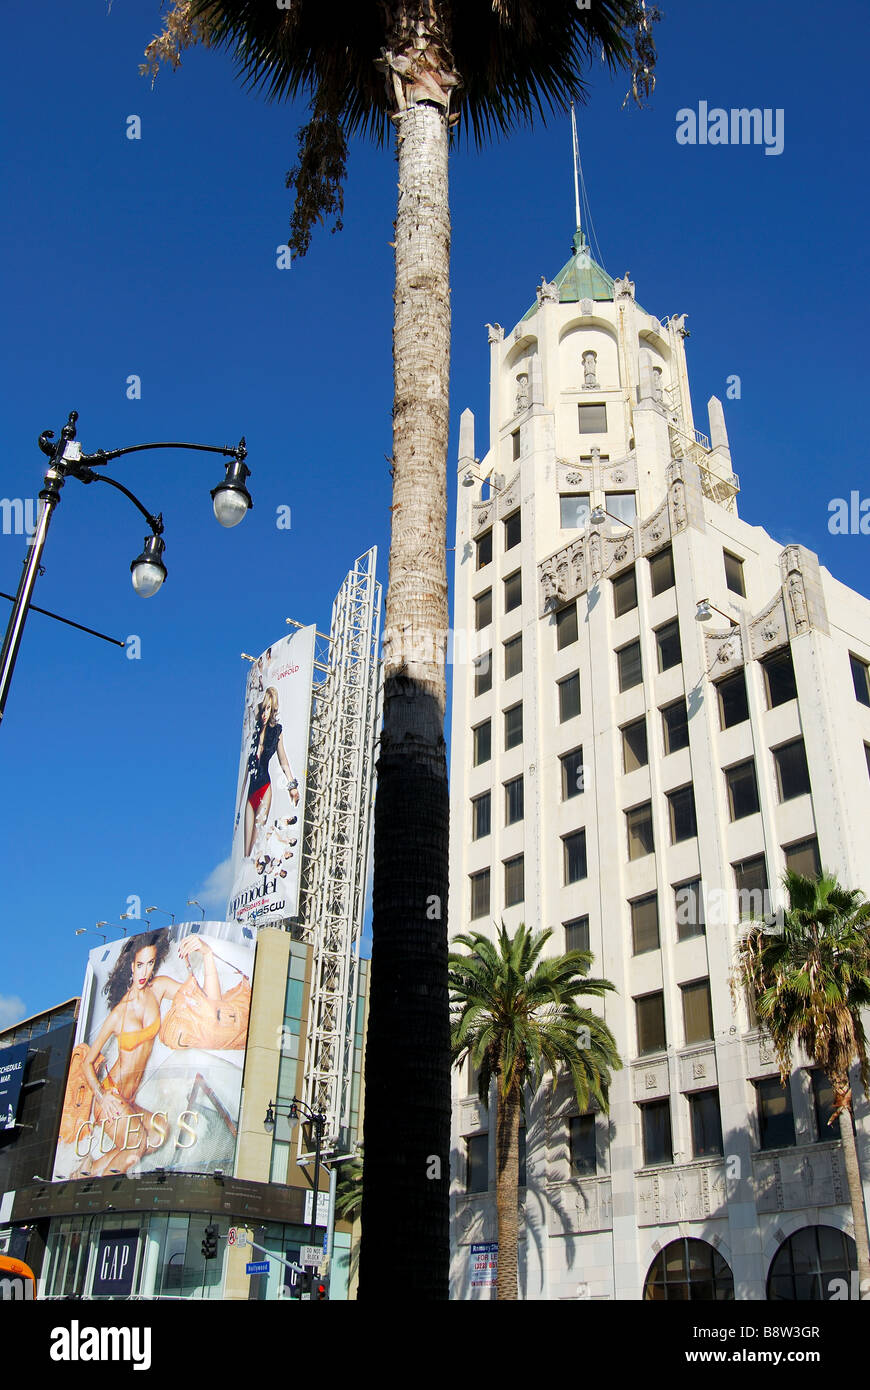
column 620, row 768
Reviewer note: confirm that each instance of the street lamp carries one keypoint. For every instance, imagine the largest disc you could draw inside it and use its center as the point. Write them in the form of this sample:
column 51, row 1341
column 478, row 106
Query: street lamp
column 597, row 515
column 164, row 911
column 231, row 501
column 318, row 1119
column 704, row 610
column 191, row 902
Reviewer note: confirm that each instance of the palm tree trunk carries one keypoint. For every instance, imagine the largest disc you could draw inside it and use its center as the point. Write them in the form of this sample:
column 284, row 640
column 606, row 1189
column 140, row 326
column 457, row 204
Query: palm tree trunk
column 507, row 1182
column 407, row 1103
column 853, row 1179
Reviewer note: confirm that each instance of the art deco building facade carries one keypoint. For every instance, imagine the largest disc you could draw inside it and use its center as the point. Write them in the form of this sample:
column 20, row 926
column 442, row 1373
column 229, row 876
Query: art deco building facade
column 628, row 770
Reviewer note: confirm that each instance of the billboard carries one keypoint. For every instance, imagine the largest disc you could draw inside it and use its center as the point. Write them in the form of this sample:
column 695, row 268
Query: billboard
column 155, row 1077
column 270, row 796
column 12, row 1063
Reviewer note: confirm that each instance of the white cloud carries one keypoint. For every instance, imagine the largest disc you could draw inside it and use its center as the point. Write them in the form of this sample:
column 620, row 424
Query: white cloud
column 12, row 1010
column 216, row 888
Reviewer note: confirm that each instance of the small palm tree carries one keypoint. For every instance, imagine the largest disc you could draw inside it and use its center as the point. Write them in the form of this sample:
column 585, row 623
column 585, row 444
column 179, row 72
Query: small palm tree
column 810, row 979
column 517, row 1017
column 348, row 1192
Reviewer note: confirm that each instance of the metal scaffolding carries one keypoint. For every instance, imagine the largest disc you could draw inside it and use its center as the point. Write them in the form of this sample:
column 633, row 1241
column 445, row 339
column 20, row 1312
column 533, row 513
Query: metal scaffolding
column 335, row 846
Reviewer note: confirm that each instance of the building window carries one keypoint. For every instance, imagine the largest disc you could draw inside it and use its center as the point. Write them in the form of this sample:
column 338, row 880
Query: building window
column 629, row 666
column 477, row 1163
column 481, row 812
column 480, row 894
column 645, row 924
column 572, row 773
column 779, row 680
column 750, row 879
column 697, row 1012
column 513, row 726
column 514, row 881
column 577, row 934
column 483, row 673
column 734, row 573
column 650, row 1016
column 675, row 726
column 483, row 545
column 482, row 742
column 742, row 789
column 569, row 697
column 513, row 591
column 634, row 746
column 792, row 773
column 581, row 1139
column 655, row 1120
column 803, row 857
column 513, row 657
column 624, row 593
column 661, row 571
column 681, row 807
column 775, row 1119
column 514, row 801
column 689, row 1271
column 574, row 856
column 689, row 905
column 860, row 679
column 573, row 510
column 823, row 1107
column 621, row 504
column 566, row 626
column 806, row 1266
column 593, row 419
column 483, row 610
column 513, row 531
column 706, row 1124
column 668, row 649
column 639, row 826
column 515, row 445
column 733, row 703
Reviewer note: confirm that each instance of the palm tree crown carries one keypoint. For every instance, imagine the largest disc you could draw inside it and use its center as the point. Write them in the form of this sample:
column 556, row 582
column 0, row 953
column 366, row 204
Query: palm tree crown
column 517, row 1016
column 811, row 976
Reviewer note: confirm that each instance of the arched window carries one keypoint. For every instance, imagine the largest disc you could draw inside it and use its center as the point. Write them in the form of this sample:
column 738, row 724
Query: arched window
column 689, row 1271
column 805, row 1265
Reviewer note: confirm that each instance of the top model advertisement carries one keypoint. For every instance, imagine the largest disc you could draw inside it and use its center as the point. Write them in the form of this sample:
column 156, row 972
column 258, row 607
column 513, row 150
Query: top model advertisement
column 155, row 1077
column 270, row 800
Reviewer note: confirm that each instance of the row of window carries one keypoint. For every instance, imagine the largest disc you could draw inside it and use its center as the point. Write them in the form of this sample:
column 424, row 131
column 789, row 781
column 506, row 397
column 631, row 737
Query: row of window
column 750, row 875
column 775, row 1118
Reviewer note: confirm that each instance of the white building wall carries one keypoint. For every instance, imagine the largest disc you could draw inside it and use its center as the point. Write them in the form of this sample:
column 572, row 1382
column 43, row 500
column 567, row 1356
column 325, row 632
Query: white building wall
column 596, row 1237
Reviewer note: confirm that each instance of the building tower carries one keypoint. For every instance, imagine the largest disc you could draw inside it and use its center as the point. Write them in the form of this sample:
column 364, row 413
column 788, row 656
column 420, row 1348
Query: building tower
column 629, row 768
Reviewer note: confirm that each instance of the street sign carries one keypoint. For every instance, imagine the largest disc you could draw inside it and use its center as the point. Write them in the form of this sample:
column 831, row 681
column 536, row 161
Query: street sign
column 325, row 1241
column 237, row 1235
column 231, row 1236
column 322, row 1208
column 310, row 1256
column 257, row 1267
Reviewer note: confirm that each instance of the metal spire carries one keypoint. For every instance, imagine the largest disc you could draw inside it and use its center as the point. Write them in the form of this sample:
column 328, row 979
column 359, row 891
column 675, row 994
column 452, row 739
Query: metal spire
column 576, row 162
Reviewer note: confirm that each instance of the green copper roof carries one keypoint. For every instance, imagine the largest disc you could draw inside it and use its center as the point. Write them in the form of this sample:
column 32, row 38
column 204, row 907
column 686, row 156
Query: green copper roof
column 580, row 278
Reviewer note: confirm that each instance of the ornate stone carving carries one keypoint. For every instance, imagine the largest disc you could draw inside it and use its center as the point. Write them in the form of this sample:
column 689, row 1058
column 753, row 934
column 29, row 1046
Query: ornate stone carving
column 724, row 651
column 798, row 602
column 811, row 1177
column 587, row 307
column 699, row 1069
column 595, row 562
column 494, row 333
column 624, row 287
column 678, row 505
column 769, row 629
column 579, row 1206
column 688, row 1193
column 590, row 377
column 650, row 1081
column 656, row 531
column 678, row 322
column 548, row 588
column 563, row 584
column 523, row 396
column 547, row 292
column 575, row 479
column 657, row 391
column 481, row 516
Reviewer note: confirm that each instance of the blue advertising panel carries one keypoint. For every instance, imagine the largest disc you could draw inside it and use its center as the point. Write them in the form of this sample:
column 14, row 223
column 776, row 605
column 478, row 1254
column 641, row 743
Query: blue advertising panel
column 116, row 1263
column 12, row 1063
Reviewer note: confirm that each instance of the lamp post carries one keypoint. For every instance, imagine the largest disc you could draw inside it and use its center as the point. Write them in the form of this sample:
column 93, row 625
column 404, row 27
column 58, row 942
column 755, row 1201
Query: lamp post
column 230, row 499
column 318, row 1119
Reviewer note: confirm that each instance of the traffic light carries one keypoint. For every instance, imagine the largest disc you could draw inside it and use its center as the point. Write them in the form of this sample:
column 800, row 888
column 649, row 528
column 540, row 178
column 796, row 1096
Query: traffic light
column 321, row 1291
column 209, row 1242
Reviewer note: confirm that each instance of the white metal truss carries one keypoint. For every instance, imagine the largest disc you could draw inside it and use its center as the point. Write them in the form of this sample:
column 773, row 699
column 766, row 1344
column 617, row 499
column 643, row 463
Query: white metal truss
column 335, row 847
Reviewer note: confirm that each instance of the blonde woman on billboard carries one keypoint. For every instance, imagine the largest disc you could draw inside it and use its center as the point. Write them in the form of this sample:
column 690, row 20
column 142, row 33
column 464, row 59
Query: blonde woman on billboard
column 135, row 992
column 266, row 741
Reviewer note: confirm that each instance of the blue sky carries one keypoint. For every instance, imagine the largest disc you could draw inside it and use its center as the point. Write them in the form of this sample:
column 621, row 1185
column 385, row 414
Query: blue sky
column 157, row 257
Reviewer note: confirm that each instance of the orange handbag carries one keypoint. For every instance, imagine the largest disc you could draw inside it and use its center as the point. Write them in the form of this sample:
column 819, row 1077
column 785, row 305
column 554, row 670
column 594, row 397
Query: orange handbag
column 194, row 1020
column 78, row 1096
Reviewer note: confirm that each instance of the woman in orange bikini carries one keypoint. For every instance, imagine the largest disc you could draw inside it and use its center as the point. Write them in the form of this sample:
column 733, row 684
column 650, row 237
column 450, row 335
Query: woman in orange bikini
column 135, row 991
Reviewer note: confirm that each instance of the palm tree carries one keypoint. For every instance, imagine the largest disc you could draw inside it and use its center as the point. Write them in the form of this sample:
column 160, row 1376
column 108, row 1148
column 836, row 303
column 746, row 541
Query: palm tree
column 415, row 67
column 810, row 979
column 348, row 1192
column 517, row 1017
